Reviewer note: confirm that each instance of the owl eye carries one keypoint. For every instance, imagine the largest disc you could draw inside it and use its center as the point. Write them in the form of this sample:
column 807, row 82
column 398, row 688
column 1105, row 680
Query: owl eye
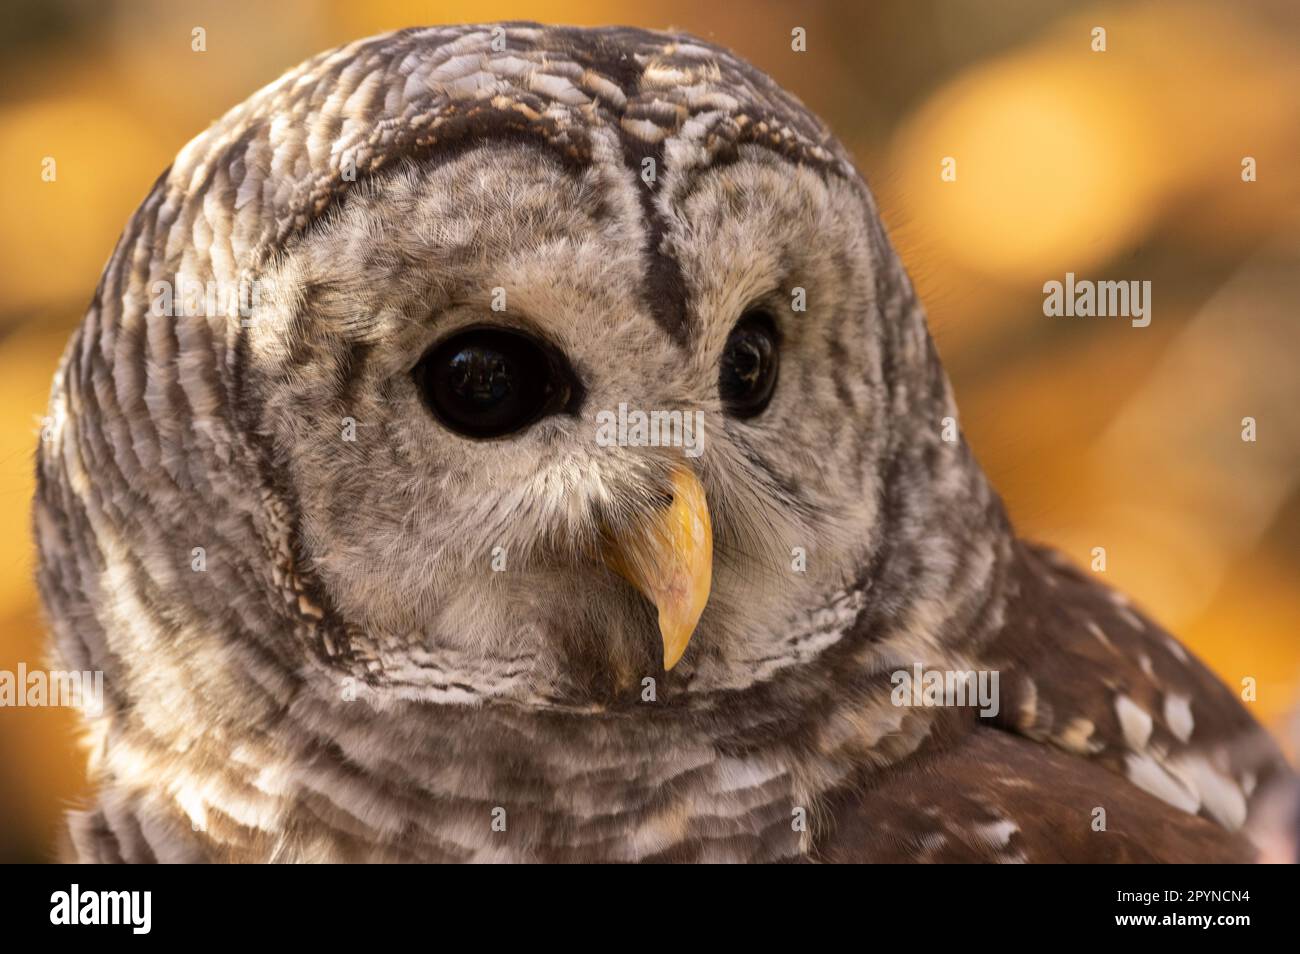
column 489, row 382
column 747, row 376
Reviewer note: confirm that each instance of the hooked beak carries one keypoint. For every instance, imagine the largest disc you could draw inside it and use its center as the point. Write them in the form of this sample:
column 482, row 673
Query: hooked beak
column 668, row 556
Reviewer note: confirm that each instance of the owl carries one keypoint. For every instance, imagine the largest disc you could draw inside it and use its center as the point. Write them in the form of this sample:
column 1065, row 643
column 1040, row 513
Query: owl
column 522, row 443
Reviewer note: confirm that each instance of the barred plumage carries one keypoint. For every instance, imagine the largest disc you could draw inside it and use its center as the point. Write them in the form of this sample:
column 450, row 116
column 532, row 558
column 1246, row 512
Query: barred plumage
column 346, row 679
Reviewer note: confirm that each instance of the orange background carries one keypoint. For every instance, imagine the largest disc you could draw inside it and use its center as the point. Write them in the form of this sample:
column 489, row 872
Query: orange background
column 1118, row 165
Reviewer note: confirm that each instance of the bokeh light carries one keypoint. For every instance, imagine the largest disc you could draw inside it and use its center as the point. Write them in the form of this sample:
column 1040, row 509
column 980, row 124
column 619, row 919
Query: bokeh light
column 1118, row 165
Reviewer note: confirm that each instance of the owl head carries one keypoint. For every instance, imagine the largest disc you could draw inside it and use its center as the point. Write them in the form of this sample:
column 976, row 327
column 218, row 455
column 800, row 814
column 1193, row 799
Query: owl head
column 500, row 365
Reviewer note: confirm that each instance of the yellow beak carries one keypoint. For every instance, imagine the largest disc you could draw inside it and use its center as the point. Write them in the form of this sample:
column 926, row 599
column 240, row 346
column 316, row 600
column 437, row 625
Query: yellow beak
column 668, row 556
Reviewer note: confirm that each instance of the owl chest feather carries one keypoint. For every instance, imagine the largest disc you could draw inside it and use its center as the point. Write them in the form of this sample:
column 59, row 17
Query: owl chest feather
column 788, row 775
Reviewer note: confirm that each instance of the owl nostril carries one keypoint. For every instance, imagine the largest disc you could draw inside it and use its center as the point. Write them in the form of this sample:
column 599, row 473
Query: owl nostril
column 663, row 498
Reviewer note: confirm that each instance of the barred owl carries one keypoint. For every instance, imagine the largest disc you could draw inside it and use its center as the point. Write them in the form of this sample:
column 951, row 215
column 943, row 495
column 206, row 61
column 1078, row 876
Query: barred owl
column 365, row 584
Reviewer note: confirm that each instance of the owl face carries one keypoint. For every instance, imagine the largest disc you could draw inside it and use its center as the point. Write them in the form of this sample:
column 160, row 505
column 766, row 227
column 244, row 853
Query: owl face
column 415, row 475
column 435, row 359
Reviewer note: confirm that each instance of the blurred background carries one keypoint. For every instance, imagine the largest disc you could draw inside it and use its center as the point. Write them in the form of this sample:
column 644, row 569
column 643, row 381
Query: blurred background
column 1119, row 165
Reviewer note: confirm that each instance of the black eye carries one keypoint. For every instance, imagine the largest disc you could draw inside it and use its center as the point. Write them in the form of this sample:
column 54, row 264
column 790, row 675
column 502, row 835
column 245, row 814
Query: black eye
column 747, row 377
column 488, row 382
